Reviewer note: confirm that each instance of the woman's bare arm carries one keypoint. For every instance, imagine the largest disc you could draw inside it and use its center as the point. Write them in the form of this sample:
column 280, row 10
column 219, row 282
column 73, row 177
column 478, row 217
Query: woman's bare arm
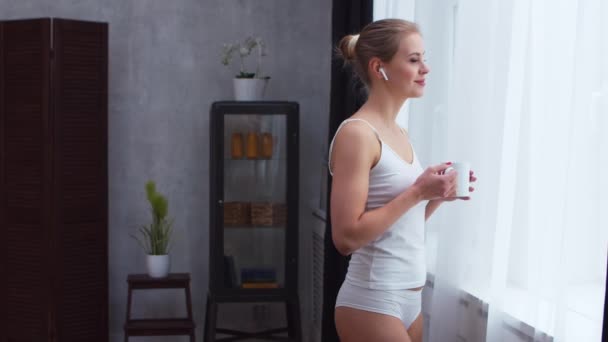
column 430, row 208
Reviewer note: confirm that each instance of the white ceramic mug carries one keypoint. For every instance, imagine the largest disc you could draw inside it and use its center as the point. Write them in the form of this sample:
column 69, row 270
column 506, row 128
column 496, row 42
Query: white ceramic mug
column 462, row 181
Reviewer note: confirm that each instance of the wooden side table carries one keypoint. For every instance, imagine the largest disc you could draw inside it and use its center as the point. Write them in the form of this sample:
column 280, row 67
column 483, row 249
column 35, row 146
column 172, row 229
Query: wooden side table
column 165, row 326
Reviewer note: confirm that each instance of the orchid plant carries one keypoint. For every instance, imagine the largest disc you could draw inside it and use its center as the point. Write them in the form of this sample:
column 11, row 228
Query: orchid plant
column 245, row 49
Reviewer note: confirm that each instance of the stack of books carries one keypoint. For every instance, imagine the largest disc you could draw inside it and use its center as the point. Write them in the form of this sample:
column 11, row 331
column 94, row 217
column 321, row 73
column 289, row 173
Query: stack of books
column 259, row 278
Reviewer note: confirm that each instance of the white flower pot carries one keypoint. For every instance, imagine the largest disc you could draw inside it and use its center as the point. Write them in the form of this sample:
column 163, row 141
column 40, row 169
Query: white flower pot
column 249, row 89
column 158, row 265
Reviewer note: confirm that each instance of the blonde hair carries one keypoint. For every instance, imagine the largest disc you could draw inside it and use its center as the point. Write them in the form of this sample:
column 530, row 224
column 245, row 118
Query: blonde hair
column 378, row 39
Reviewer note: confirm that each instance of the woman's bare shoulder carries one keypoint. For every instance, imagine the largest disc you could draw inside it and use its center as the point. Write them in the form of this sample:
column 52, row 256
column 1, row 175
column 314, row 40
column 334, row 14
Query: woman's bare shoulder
column 355, row 144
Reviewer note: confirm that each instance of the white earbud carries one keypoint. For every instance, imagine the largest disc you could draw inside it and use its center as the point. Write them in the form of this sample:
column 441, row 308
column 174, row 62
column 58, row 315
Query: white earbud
column 383, row 74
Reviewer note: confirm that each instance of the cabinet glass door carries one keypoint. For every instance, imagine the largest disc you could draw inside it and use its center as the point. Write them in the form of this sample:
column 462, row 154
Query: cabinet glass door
column 254, row 200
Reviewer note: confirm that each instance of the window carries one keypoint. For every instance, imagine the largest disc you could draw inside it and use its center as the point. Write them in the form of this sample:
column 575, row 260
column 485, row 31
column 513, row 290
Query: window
column 520, row 89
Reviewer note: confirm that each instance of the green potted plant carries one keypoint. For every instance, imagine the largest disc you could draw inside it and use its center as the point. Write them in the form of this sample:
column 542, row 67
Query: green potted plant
column 155, row 237
column 248, row 86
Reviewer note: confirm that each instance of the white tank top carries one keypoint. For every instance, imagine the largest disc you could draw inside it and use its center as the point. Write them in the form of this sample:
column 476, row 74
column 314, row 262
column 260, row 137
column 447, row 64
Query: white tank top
column 395, row 260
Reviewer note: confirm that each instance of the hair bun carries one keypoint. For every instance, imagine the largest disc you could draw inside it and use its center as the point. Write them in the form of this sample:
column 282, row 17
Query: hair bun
column 347, row 47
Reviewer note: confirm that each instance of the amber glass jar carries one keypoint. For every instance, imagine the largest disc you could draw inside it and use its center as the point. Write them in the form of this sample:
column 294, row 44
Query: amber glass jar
column 252, row 145
column 237, row 146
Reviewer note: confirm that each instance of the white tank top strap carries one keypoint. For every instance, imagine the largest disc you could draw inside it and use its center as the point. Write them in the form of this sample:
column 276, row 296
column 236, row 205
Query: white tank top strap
column 331, row 146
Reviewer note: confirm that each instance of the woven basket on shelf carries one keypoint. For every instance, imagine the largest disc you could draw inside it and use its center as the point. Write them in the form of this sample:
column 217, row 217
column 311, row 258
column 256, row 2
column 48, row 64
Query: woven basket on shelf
column 237, row 214
column 268, row 214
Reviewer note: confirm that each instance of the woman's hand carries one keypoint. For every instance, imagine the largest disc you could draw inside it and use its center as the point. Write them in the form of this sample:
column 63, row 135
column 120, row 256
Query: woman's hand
column 452, row 196
column 433, row 204
column 434, row 183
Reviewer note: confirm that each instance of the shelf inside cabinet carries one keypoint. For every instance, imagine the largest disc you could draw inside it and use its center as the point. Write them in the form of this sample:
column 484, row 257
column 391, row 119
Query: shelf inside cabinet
column 254, row 227
column 254, row 160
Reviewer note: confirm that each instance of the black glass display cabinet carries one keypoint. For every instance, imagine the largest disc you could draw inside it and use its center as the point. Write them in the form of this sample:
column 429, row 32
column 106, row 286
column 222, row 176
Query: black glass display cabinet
column 253, row 230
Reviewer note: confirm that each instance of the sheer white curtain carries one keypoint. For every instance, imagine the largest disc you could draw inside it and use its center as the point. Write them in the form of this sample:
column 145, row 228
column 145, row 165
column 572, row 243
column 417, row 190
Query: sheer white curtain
column 520, row 89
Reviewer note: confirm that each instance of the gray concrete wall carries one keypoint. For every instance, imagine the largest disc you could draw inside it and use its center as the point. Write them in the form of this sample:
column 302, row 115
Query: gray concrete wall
column 164, row 74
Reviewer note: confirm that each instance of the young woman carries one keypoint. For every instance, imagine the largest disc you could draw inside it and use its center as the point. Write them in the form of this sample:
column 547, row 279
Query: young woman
column 381, row 196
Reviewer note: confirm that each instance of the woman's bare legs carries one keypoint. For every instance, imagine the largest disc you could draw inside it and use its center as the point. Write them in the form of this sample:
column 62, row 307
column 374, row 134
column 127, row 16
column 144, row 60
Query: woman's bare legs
column 355, row 325
column 415, row 331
